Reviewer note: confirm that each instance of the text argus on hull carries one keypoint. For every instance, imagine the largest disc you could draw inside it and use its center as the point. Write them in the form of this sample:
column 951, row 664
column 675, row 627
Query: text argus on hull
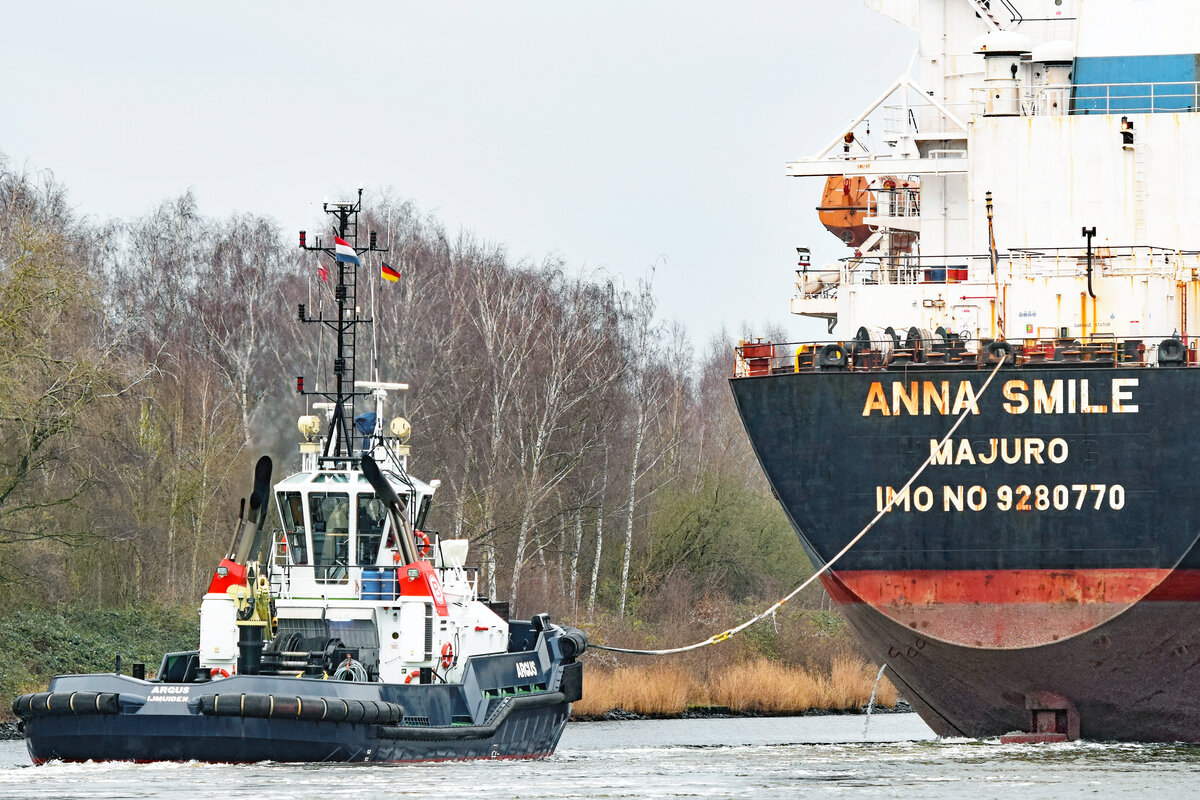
column 1058, row 396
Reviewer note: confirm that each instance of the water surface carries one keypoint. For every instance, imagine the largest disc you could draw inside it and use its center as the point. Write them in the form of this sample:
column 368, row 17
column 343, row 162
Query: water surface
column 711, row 758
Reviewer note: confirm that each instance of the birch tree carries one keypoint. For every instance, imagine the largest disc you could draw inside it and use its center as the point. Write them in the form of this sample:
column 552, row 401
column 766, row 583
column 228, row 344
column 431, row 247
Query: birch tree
column 572, row 370
column 647, row 382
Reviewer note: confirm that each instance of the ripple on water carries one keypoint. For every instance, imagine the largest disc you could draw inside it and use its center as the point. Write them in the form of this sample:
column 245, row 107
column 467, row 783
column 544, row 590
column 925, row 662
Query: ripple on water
column 739, row 758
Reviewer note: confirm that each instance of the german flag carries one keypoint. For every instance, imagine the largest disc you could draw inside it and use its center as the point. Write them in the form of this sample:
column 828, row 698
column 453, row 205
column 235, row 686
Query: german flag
column 388, row 273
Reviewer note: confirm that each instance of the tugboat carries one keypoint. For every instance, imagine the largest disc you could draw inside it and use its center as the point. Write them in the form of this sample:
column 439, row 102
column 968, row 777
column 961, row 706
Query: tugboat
column 350, row 634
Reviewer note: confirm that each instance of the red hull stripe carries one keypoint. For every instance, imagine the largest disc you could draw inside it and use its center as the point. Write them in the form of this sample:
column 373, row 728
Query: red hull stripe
column 998, row 587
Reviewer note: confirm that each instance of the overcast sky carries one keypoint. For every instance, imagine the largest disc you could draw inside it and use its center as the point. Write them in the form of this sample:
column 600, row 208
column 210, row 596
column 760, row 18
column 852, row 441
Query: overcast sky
column 618, row 135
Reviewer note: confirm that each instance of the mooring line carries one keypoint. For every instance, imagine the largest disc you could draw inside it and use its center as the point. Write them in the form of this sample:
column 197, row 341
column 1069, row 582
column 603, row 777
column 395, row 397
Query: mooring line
column 720, row 637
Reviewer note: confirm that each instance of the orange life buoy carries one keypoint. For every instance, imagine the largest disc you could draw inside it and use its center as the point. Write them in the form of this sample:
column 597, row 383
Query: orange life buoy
column 218, row 672
column 414, row 674
column 447, row 656
column 422, row 543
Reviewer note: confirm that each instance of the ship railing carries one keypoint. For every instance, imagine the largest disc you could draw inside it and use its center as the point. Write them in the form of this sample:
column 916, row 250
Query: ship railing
column 1062, row 99
column 928, row 122
column 893, row 199
column 893, row 349
column 1135, row 98
column 1062, row 262
column 900, row 269
column 1127, row 261
column 365, row 581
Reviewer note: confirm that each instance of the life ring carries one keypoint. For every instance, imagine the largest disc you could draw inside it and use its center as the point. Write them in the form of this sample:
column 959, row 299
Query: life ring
column 218, row 672
column 447, row 656
column 414, row 674
column 422, row 543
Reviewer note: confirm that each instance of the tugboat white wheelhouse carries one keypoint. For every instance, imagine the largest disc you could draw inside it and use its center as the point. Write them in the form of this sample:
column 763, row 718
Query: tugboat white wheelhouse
column 350, row 633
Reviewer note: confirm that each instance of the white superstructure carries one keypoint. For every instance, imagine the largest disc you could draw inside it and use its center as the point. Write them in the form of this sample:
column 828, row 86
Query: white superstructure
column 1071, row 115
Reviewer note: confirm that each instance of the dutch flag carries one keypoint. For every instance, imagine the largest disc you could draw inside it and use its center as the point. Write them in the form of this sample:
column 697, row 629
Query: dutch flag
column 345, row 253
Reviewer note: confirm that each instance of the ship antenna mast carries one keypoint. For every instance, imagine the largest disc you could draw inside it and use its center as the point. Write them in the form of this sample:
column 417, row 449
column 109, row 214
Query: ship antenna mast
column 347, row 253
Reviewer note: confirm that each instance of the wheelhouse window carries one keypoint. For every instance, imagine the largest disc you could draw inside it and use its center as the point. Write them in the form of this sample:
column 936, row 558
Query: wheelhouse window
column 369, row 527
column 292, row 509
column 330, row 514
column 423, row 512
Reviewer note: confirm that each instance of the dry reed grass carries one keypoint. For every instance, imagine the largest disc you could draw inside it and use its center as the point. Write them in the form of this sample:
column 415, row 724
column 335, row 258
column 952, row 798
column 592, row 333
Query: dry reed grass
column 757, row 686
column 659, row 690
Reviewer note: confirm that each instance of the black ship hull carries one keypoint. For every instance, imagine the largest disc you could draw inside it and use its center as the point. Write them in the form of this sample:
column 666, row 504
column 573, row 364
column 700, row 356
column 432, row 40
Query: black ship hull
column 508, row 706
column 1040, row 574
column 530, row 729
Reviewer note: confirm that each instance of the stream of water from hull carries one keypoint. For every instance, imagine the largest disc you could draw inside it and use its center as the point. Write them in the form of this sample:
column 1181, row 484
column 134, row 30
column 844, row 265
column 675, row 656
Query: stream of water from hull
column 871, row 702
column 818, row 756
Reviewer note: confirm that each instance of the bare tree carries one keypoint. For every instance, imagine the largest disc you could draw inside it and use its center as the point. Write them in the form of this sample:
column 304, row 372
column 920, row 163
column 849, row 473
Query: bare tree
column 571, row 371
column 651, row 390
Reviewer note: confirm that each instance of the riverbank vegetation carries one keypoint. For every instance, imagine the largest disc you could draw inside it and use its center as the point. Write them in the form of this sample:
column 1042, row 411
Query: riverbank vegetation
column 587, row 448
column 801, row 660
column 758, row 688
column 38, row 644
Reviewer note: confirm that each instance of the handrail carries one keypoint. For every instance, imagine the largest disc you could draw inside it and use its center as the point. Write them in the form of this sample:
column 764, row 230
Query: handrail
column 960, row 351
column 906, row 268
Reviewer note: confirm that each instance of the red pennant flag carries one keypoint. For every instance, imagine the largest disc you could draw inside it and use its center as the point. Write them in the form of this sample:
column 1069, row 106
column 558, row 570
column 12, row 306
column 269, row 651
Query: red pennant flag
column 323, row 271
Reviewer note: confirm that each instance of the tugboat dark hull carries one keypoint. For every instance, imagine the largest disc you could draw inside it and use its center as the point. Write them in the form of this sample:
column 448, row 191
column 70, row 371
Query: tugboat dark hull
column 1041, row 574
column 529, row 730
column 509, row 706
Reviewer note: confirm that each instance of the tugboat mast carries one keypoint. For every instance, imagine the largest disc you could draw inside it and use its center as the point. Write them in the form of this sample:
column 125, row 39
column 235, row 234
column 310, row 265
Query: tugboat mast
column 346, row 254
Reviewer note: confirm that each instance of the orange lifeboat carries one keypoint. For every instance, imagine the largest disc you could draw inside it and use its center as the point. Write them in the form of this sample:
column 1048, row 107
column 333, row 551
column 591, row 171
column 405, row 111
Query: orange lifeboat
column 844, row 208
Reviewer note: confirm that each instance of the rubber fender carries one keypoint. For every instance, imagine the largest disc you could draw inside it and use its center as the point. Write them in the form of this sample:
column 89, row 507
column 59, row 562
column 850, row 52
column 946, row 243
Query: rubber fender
column 996, row 351
column 1171, row 352
column 379, row 711
column 257, row 705
column 336, row 710
column 24, row 706
column 571, row 684
column 59, row 703
column 108, row 703
column 81, row 702
column 386, row 712
column 354, row 711
column 39, row 704
column 312, row 709
column 286, row 708
column 44, row 704
column 573, row 643
column 832, row 356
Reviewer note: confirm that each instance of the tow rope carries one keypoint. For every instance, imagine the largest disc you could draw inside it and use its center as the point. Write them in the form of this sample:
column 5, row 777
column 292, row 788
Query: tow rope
column 720, row 637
